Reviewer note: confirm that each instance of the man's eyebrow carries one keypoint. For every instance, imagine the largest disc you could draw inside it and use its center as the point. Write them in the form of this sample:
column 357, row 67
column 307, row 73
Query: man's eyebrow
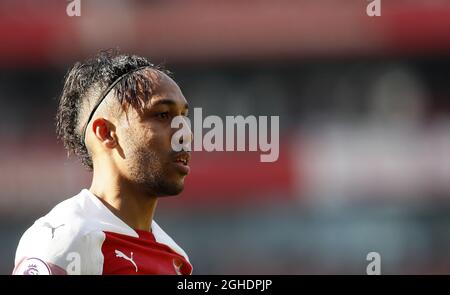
column 167, row 101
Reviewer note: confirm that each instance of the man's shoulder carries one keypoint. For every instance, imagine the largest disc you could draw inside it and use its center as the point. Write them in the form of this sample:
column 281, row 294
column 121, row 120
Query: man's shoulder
column 69, row 217
column 64, row 233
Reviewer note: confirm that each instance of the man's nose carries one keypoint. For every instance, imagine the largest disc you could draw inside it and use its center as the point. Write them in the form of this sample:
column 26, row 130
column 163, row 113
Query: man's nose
column 187, row 135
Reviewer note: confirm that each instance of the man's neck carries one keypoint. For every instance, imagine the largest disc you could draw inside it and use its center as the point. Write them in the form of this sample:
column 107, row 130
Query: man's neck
column 133, row 207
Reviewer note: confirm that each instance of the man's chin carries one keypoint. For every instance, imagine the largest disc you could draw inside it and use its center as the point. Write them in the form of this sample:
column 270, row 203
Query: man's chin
column 172, row 188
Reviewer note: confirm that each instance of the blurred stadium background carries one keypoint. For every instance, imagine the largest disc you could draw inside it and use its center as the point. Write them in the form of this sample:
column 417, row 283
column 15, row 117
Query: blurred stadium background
column 364, row 106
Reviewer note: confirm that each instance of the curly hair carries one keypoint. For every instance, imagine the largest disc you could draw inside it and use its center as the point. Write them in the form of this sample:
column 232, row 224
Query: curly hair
column 95, row 75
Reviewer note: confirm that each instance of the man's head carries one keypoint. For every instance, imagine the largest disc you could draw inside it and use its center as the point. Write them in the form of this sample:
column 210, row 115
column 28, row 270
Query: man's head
column 127, row 129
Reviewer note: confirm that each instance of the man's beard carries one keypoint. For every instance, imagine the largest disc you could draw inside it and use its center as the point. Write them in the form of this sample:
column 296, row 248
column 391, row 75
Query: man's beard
column 147, row 173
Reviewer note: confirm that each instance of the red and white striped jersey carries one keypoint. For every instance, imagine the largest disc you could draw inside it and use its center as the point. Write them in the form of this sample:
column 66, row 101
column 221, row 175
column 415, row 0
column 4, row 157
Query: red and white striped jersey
column 82, row 236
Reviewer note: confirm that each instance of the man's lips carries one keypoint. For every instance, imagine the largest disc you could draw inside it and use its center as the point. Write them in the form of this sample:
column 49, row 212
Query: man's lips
column 182, row 157
column 181, row 160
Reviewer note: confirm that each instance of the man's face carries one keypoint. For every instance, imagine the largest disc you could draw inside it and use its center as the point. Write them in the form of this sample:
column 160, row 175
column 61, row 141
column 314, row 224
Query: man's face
column 149, row 162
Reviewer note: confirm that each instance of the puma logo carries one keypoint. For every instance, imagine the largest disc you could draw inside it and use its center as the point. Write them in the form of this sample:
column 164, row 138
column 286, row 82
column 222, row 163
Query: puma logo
column 120, row 254
column 53, row 228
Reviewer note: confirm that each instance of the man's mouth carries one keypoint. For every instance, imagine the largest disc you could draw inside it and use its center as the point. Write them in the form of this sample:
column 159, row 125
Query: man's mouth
column 182, row 160
column 183, row 157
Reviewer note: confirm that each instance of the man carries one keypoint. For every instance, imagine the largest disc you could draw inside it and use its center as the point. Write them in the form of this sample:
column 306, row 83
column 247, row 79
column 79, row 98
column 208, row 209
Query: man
column 115, row 114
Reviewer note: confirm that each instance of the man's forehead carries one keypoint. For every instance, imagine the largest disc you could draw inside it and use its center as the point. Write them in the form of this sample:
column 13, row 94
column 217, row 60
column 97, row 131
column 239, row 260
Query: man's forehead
column 166, row 92
column 171, row 101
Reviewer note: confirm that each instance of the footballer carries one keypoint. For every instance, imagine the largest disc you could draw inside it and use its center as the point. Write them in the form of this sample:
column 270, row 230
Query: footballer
column 115, row 114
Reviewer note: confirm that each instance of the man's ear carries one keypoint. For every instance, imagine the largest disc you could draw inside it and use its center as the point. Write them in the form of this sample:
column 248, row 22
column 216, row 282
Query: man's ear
column 105, row 131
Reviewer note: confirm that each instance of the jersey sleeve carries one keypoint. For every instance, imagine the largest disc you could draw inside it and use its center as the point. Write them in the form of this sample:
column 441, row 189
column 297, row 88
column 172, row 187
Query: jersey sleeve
column 58, row 249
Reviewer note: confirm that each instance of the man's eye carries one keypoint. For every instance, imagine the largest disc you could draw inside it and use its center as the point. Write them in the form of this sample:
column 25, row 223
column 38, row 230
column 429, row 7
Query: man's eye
column 163, row 115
